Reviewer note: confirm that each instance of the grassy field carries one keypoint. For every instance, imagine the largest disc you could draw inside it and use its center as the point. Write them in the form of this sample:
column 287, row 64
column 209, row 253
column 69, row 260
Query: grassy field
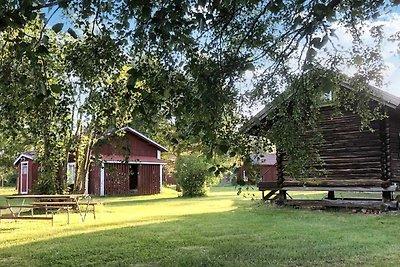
column 219, row 230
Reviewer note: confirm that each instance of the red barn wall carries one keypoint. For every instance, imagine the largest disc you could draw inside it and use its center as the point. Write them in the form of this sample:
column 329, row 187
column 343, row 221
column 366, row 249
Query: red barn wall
column 268, row 173
column 94, row 179
column 116, row 179
column 149, row 179
column 128, row 147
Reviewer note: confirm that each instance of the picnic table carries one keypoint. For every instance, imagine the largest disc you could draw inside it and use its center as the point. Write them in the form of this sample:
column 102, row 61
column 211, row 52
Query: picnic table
column 49, row 202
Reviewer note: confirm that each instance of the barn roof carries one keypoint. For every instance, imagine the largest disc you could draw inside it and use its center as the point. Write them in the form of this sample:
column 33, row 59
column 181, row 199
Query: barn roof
column 133, row 131
column 27, row 154
column 263, row 159
column 377, row 94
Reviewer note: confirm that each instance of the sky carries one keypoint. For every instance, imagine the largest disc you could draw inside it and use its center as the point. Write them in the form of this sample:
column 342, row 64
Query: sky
column 390, row 53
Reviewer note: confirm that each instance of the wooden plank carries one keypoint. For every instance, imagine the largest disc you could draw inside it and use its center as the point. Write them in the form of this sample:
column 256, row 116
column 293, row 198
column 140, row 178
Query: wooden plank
column 342, row 189
column 25, row 217
column 16, row 206
column 268, row 185
column 343, row 203
column 54, row 203
column 339, row 183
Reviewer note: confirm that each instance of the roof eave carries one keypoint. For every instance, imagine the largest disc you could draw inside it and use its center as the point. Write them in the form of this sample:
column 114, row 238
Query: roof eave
column 129, row 129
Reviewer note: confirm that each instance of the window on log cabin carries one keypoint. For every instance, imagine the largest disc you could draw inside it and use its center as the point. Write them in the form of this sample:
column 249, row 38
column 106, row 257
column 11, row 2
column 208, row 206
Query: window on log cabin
column 327, row 96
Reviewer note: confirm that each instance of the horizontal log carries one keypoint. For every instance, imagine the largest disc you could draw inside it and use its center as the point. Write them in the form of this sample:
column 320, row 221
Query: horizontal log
column 262, row 186
column 375, row 204
column 369, row 189
column 367, row 156
column 339, row 183
column 343, row 176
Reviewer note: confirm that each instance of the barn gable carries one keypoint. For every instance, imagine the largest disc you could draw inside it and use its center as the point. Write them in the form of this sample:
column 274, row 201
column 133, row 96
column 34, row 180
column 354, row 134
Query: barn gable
column 131, row 146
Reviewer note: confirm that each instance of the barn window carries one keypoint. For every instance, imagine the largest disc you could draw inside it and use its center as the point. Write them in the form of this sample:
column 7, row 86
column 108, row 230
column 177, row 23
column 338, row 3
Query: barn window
column 71, row 173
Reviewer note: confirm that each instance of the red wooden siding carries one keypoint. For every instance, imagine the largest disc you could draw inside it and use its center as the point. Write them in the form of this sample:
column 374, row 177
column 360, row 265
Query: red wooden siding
column 265, row 172
column 116, row 179
column 149, row 179
column 128, row 147
column 268, row 173
column 33, row 172
column 94, row 179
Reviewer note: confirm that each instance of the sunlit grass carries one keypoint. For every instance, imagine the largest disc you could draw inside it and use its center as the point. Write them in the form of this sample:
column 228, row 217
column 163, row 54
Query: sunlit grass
column 222, row 229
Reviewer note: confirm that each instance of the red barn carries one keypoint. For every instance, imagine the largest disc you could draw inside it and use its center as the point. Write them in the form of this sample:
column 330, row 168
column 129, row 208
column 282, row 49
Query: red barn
column 130, row 163
column 262, row 165
column 27, row 171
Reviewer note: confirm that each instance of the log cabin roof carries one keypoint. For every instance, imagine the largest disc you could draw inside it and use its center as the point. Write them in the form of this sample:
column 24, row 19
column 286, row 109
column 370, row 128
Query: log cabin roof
column 387, row 99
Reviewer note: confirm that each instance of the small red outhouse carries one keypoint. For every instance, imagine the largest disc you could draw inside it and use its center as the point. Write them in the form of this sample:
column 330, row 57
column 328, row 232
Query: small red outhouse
column 27, row 172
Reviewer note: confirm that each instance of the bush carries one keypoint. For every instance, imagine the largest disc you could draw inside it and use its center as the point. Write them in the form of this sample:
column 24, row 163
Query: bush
column 192, row 173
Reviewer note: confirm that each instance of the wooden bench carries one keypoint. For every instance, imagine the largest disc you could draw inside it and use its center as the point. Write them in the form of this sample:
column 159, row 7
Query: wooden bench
column 64, row 205
column 20, row 207
column 10, row 217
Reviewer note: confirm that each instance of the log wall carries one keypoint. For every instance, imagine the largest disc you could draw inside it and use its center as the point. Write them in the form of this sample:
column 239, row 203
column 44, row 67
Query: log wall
column 350, row 155
column 394, row 146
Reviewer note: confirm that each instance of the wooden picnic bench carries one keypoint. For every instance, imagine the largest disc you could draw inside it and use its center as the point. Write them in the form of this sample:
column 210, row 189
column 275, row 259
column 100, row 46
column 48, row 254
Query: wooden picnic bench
column 61, row 202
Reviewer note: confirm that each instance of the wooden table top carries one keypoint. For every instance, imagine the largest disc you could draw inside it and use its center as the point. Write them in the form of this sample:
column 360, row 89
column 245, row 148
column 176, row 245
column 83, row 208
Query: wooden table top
column 74, row 196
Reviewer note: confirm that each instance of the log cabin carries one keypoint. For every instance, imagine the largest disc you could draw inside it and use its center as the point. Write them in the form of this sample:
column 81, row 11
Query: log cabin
column 354, row 159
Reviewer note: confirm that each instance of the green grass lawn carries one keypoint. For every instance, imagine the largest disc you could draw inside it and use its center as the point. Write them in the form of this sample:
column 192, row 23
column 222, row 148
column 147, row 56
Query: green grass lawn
column 222, row 229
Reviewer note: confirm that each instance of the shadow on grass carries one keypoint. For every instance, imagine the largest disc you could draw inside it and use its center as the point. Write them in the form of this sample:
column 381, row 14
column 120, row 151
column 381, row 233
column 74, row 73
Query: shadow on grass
column 262, row 236
column 114, row 201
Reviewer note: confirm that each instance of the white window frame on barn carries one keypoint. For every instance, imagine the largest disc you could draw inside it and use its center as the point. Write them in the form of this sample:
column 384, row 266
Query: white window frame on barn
column 71, row 172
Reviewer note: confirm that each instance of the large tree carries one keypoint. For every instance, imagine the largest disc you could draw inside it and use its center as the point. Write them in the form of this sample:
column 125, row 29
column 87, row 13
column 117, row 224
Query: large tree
column 186, row 61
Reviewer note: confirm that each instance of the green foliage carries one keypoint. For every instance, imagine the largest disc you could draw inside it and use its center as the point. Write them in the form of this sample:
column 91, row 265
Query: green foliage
column 191, row 172
column 187, row 60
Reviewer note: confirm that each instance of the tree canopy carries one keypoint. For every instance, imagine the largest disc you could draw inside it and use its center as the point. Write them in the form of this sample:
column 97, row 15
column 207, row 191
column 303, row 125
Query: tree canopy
column 71, row 67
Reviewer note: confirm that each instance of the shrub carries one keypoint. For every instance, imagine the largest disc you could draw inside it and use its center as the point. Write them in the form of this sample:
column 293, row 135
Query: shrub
column 192, row 173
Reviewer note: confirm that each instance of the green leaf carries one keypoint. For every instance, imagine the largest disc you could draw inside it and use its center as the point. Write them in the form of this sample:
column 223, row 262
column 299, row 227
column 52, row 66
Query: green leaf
column 232, row 154
column 55, row 88
column 250, row 67
column 318, row 43
column 63, row 3
column 57, row 27
column 311, row 53
column 224, row 148
column 45, row 40
column 201, row 2
column 72, row 33
column 42, row 49
column 357, row 60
